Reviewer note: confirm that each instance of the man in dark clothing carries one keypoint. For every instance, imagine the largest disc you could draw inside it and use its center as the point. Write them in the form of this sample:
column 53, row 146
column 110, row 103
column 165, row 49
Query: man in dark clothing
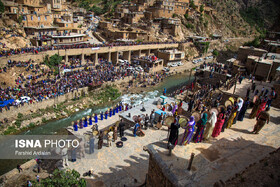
column 19, row 168
column 248, row 92
column 121, row 128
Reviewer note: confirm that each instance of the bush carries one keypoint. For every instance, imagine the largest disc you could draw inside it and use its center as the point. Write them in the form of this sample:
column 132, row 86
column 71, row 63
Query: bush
column 97, row 10
column 2, row 7
column 31, row 125
column 20, row 115
column 64, row 178
column 44, row 120
column 18, row 123
column 255, row 43
column 192, row 5
column 189, row 26
column 10, row 130
column 201, row 9
column 215, row 53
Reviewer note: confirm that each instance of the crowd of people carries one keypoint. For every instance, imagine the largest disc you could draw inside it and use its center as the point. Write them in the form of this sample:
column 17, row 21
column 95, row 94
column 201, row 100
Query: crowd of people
column 208, row 117
column 44, row 85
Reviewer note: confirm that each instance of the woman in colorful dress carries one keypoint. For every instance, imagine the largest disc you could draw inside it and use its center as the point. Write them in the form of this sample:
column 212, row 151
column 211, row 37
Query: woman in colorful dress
column 232, row 116
column 227, row 115
column 210, row 126
column 219, row 124
column 200, row 129
column 189, row 129
column 254, row 111
column 262, row 105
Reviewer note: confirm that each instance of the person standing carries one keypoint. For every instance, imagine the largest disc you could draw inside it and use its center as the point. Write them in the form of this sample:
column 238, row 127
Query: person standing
column 173, row 137
column 254, row 111
column 200, row 129
column 19, row 168
column 248, row 92
column 210, row 125
column 239, row 106
column 232, row 116
column 219, row 124
column 115, row 133
column 136, row 128
column 262, row 106
column 100, row 140
column 271, row 96
column 159, row 123
column 188, row 132
column 243, row 109
column 261, row 119
column 147, row 119
column 152, row 118
column 121, row 128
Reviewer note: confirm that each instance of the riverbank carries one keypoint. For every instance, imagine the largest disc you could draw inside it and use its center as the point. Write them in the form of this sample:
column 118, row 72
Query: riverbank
column 77, row 101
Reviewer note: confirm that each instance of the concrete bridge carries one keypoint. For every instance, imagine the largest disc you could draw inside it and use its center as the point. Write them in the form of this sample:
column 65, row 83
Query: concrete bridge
column 109, row 53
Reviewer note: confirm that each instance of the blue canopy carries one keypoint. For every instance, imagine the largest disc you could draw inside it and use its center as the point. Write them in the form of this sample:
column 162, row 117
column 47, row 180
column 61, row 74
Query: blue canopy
column 163, row 97
column 4, row 103
column 160, row 111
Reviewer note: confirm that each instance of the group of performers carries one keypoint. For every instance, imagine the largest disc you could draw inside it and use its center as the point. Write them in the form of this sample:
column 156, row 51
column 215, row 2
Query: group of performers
column 89, row 120
column 209, row 118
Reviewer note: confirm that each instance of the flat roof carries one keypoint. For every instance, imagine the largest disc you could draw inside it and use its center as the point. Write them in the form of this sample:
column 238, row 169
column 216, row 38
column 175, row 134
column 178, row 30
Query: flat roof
column 252, row 48
column 39, row 28
column 72, row 35
column 171, row 51
column 231, row 60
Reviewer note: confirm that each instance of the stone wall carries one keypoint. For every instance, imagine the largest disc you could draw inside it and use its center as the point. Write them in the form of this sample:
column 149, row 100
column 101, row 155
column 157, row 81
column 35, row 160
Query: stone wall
column 30, row 108
column 159, row 175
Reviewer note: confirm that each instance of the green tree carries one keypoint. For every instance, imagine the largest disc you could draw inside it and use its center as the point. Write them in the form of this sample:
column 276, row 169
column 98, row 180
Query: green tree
column 255, row 43
column 201, row 9
column 53, row 62
column 2, row 7
column 20, row 18
column 64, row 178
column 186, row 16
column 192, row 5
column 97, row 10
column 215, row 53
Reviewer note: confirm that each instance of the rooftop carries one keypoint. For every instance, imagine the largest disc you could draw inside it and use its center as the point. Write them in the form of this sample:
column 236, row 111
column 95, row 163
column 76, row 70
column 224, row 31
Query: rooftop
column 252, row 48
column 72, row 35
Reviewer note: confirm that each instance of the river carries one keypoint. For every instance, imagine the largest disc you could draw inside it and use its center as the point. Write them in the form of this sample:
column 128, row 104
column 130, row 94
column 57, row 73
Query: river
column 58, row 127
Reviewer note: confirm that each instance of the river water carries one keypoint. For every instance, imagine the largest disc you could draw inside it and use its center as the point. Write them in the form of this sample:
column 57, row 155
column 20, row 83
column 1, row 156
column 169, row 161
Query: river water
column 58, row 127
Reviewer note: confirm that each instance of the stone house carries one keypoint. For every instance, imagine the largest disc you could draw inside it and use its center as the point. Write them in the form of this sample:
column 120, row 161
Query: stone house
column 171, row 56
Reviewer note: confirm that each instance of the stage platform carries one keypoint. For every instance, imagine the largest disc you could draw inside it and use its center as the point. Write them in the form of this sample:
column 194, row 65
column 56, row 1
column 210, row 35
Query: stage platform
column 135, row 111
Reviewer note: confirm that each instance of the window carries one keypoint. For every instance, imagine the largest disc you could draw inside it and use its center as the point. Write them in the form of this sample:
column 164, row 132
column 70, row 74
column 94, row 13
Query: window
column 24, row 18
column 15, row 10
column 46, row 18
column 66, row 25
column 39, row 18
column 31, row 17
column 22, row 10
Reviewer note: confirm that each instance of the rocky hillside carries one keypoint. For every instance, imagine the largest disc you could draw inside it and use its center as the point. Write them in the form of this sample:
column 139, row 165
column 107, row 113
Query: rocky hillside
column 259, row 14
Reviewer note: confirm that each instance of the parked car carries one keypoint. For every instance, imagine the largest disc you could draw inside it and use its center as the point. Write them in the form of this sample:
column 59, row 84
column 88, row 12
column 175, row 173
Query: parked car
column 174, row 64
column 194, row 61
column 180, row 63
column 210, row 57
column 23, row 99
column 139, row 68
column 166, row 69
